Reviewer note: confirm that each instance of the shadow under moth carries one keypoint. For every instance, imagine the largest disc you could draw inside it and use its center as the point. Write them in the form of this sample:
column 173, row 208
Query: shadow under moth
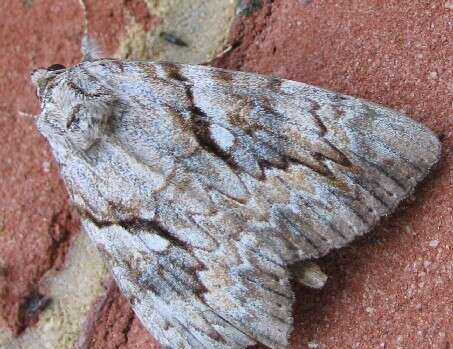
column 202, row 186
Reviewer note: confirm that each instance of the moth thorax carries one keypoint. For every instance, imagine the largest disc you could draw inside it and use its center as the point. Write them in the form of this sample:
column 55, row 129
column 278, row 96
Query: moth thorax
column 87, row 123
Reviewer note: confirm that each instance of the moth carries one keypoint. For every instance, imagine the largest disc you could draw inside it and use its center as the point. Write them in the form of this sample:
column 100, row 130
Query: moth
column 202, row 186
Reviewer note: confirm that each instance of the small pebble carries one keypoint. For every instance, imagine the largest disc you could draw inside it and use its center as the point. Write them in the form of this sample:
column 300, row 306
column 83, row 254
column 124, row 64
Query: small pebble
column 433, row 75
column 434, row 243
column 313, row 345
column 369, row 310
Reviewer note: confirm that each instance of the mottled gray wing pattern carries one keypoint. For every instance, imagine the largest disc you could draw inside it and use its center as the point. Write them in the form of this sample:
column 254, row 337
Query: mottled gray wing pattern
column 202, row 185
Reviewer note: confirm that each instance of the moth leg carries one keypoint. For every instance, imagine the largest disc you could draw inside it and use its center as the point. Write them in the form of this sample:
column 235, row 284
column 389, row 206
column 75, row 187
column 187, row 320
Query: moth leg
column 309, row 274
column 219, row 55
column 26, row 115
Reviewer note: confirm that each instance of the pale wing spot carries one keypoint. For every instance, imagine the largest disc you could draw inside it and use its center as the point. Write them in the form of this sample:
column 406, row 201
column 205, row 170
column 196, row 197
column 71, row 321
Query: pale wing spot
column 223, row 138
column 154, row 242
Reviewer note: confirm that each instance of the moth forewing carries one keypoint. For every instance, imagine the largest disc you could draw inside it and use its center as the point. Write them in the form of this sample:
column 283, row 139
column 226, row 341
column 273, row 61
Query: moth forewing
column 202, row 186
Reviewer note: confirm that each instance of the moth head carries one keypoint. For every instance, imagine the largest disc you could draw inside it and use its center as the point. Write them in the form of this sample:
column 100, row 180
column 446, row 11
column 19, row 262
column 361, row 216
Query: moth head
column 42, row 76
column 72, row 115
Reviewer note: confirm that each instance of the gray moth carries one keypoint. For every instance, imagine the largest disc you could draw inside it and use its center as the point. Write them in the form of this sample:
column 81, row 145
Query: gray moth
column 202, row 186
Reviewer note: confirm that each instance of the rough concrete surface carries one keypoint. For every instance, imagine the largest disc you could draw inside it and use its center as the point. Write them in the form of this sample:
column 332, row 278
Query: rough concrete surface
column 391, row 289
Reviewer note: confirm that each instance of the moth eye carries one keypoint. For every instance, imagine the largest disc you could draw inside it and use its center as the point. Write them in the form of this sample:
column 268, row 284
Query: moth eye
column 57, row 66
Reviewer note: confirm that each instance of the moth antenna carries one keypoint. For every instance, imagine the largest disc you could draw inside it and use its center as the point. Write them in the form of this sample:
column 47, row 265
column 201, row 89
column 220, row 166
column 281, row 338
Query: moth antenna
column 310, row 274
column 89, row 47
